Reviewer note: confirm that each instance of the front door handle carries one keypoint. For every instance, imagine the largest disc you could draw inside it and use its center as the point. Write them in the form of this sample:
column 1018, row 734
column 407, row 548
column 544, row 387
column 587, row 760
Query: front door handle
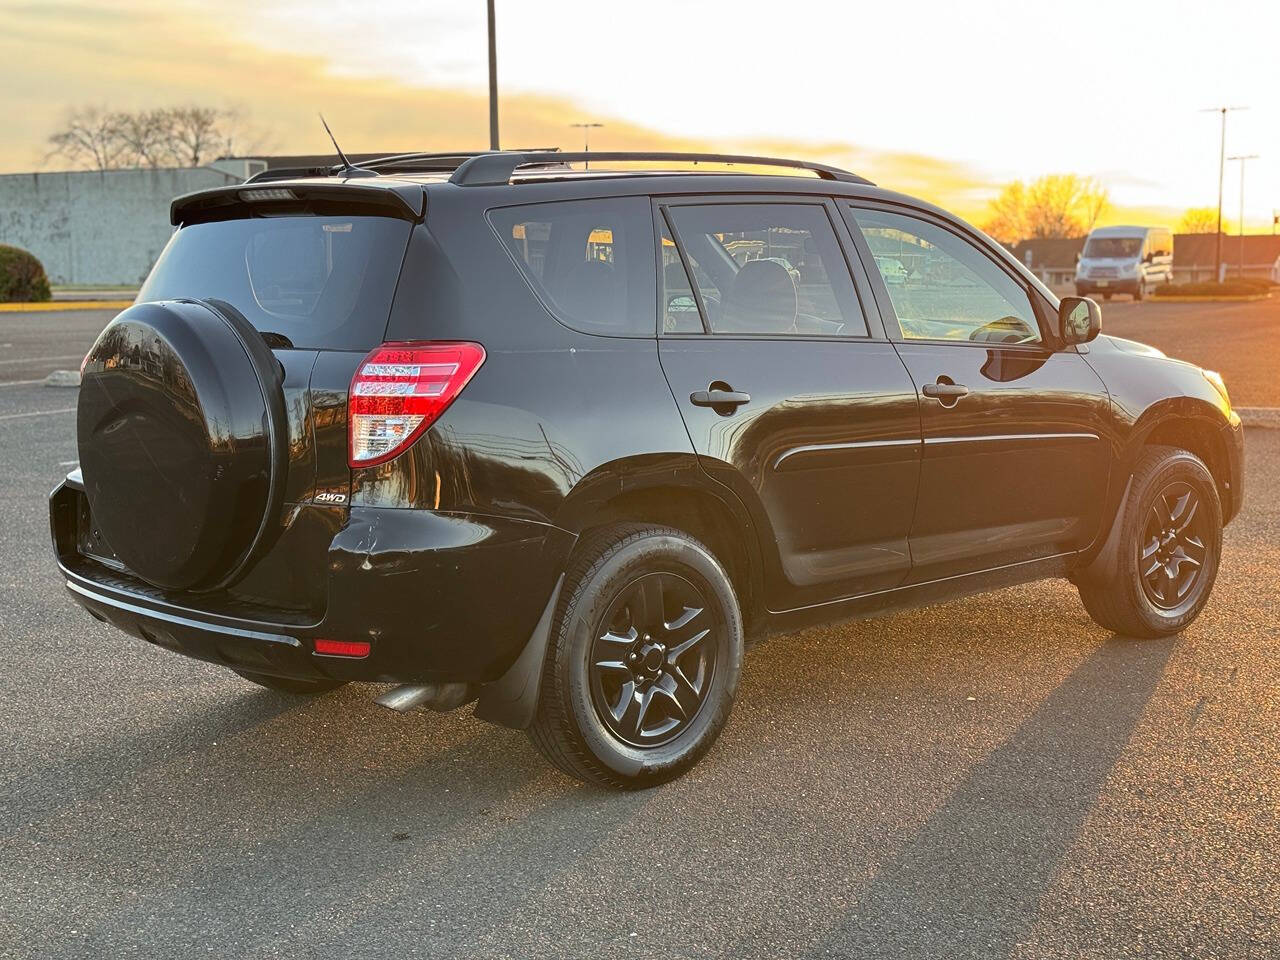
column 946, row 392
column 719, row 398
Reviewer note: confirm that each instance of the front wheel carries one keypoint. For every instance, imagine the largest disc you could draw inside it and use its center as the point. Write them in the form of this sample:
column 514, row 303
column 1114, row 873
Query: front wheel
column 1140, row 291
column 643, row 664
column 1170, row 541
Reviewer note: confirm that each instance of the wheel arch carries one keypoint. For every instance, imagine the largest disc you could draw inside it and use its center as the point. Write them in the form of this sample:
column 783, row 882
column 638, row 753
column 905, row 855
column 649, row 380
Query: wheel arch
column 673, row 491
column 1190, row 424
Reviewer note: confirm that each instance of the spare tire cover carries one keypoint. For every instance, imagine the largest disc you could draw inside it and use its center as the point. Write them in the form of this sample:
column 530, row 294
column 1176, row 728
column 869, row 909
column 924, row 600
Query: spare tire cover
column 183, row 441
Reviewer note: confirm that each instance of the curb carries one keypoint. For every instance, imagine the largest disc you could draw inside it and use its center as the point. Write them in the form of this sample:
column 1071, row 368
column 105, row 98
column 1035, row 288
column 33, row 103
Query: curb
column 1267, row 417
column 1243, row 298
column 56, row 305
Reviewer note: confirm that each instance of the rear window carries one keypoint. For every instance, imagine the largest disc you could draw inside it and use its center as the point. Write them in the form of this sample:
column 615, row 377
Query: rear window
column 590, row 261
column 321, row 282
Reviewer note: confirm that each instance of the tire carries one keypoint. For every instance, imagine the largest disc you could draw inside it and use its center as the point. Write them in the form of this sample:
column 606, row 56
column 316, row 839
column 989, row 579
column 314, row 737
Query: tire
column 290, row 684
column 630, row 697
column 1170, row 527
column 1140, row 291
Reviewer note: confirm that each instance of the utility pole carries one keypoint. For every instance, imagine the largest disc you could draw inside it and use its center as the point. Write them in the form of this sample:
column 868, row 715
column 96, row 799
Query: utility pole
column 1243, row 160
column 493, row 82
column 586, row 129
column 1222, row 163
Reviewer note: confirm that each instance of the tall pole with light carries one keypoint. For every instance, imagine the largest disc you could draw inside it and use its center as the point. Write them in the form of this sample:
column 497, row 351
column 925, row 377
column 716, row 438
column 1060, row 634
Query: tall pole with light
column 586, row 129
column 493, row 82
column 1243, row 160
column 1222, row 165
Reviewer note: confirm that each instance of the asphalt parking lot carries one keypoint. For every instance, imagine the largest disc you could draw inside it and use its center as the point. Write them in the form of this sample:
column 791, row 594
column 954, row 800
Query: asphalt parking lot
column 994, row 777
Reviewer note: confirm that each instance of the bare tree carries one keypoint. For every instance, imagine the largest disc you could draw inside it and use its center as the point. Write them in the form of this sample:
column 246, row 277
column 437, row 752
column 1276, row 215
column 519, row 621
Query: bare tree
column 199, row 134
column 145, row 138
column 89, row 137
column 189, row 135
column 1056, row 205
column 1008, row 218
column 1199, row 220
column 1095, row 200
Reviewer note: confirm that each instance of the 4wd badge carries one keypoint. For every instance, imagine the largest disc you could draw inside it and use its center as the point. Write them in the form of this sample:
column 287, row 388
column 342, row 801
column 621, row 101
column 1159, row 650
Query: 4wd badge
column 328, row 497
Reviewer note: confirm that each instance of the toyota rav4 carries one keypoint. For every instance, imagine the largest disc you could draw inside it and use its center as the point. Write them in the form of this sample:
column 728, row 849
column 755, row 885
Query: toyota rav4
column 496, row 429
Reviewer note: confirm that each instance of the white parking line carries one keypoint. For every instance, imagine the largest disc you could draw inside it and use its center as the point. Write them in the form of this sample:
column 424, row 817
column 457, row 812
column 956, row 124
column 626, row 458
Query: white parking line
column 37, row 413
column 20, row 383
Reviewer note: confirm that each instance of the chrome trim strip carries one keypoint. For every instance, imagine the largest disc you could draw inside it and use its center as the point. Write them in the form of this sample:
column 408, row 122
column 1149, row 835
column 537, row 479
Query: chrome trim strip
column 108, row 599
column 1013, row 436
column 858, row 445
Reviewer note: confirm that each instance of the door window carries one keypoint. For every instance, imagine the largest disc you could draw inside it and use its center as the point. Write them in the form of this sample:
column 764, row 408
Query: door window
column 942, row 287
column 763, row 268
column 590, row 261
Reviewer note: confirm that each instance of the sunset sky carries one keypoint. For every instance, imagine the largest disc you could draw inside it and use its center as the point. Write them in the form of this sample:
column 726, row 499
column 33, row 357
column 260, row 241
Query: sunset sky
column 943, row 99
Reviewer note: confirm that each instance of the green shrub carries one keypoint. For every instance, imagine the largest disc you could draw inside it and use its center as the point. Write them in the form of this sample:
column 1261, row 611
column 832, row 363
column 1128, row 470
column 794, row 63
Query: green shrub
column 22, row 277
column 1239, row 287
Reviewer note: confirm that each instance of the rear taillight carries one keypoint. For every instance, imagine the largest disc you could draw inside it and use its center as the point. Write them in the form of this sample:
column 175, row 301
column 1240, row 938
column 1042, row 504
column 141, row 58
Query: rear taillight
column 399, row 390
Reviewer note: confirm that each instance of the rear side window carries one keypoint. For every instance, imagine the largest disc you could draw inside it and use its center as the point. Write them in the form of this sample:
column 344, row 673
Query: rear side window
column 321, row 282
column 590, row 261
column 763, row 268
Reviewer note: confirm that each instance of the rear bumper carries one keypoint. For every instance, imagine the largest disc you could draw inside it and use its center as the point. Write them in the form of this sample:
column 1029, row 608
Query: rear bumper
column 445, row 597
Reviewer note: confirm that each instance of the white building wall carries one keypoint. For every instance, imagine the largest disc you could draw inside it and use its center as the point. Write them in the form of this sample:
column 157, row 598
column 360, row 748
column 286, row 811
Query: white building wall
column 96, row 227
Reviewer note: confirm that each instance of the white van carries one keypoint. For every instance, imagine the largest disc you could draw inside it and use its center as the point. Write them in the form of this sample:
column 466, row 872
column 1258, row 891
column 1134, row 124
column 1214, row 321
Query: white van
column 1128, row 260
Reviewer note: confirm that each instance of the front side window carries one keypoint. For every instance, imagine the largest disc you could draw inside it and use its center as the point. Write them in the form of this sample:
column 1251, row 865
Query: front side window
column 590, row 261
column 767, row 268
column 942, row 287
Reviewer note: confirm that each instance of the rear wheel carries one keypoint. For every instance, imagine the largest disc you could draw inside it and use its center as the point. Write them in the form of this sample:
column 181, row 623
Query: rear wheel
column 289, row 684
column 1170, row 541
column 644, row 658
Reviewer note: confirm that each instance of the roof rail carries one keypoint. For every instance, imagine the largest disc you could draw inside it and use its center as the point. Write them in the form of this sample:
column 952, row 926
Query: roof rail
column 491, row 169
column 449, row 160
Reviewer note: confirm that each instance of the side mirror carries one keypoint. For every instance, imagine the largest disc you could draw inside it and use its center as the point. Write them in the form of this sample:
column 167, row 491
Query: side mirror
column 1079, row 320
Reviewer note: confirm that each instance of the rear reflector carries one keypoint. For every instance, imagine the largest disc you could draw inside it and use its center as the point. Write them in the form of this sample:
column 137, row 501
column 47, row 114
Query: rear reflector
column 401, row 389
column 342, row 648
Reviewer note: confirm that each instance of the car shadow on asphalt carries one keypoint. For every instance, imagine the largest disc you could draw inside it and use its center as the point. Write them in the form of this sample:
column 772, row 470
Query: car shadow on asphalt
column 970, row 880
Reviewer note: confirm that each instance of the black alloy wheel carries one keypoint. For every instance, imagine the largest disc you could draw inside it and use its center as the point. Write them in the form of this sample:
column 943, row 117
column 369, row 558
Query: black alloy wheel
column 1172, row 547
column 1167, row 539
column 643, row 660
column 653, row 660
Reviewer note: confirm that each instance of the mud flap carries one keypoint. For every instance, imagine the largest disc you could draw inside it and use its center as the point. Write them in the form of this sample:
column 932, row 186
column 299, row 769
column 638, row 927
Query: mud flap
column 1106, row 564
column 512, row 699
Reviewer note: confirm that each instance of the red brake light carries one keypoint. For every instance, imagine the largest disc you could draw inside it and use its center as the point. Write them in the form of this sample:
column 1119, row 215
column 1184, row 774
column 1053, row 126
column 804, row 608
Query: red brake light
column 399, row 390
column 342, row 648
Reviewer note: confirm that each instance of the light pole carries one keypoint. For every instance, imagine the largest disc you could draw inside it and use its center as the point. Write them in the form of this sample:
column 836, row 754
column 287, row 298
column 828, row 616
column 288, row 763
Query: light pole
column 1243, row 160
column 493, row 82
column 1222, row 158
column 586, row 129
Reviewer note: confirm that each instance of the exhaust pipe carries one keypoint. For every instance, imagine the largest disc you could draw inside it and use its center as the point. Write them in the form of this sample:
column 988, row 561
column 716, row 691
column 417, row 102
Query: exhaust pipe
column 441, row 697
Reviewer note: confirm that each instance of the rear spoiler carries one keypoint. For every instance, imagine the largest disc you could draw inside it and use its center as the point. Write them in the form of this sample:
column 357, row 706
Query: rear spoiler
column 401, row 199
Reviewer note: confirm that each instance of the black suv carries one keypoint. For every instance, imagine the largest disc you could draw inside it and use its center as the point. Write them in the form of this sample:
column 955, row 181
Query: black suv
column 494, row 428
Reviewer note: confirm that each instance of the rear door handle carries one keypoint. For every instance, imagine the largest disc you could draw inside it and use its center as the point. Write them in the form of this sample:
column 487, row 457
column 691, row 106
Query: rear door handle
column 945, row 391
column 719, row 398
